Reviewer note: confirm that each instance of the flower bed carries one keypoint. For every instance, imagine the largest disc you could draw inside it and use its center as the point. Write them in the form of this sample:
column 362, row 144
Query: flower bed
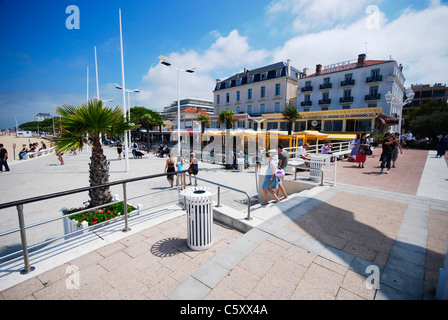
column 99, row 215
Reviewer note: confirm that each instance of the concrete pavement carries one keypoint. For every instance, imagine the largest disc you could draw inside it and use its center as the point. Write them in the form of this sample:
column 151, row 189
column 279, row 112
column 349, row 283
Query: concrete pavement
column 360, row 239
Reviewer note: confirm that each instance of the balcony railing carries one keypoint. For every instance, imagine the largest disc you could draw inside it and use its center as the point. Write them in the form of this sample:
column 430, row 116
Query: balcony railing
column 325, row 86
column 324, row 101
column 371, row 97
column 347, row 82
column 306, row 103
column 376, row 78
column 307, row 89
column 345, row 99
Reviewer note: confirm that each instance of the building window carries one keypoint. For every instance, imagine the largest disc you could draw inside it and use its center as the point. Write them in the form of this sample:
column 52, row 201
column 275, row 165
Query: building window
column 277, row 89
column 250, row 79
column 272, row 126
column 262, row 108
column 218, row 99
column 238, row 82
column 249, row 109
column 326, row 80
column 249, row 94
column 278, row 73
column 237, row 110
column 358, row 125
column 333, row 125
column 277, row 107
column 263, row 92
column 264, row 76
column 227, row 97
column 299, row 126
column 237, row 96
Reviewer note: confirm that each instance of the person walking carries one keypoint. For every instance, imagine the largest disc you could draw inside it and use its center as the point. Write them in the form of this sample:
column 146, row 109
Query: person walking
column 441, row 145
column 119, row 150
column 180, row 167
column 193, row 169
column 354, row 145
column 361, row 155
column 270, row 181
column 396, row 148
column 170, row 169
column 283, row 157
column 386, row 155
column 3, row 158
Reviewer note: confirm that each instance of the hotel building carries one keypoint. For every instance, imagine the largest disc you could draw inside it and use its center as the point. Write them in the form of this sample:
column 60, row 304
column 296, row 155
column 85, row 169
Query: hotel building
column 190, row 109
column 255, row 93
column 350, row 97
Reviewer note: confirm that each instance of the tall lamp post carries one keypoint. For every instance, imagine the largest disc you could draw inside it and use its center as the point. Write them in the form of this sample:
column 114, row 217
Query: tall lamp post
column 129, row 103
column 392, row 99
column 166, row 62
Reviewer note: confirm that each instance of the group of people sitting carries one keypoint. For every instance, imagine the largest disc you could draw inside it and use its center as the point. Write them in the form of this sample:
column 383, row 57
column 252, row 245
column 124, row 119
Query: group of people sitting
column 162, row 150
column 33, row 147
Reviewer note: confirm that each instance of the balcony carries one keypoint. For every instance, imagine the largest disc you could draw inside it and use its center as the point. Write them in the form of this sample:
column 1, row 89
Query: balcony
column 376, row 78
column 325, row 86
column 373, row 97
column 324, row 101
column 306, row 103
column 347, row 83
column 307, row 89
column 346, row 100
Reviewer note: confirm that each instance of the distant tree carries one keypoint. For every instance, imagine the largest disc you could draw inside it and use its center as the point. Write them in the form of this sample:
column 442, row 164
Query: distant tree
column 205, row 121
column 291, row 115
column 429, row 120
column 227, row 117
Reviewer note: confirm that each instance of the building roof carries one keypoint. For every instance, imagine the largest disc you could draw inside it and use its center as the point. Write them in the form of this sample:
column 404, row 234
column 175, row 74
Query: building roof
column 367, row 63
column 269, row 69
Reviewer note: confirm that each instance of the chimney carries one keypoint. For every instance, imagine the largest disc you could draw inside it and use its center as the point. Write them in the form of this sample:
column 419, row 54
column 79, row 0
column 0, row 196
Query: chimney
column 361, row 60
column 305, row 70
column 318, row 68
column 289, row 67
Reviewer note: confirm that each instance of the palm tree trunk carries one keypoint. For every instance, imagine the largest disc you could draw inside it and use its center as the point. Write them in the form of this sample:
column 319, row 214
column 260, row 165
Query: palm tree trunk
column 98, row 175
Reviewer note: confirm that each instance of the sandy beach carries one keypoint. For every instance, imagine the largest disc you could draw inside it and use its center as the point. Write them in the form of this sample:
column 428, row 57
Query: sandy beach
column 9, row 141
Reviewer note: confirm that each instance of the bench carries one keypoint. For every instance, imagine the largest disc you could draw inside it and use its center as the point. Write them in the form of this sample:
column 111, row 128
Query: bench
column 341, row 154
column 33, row 155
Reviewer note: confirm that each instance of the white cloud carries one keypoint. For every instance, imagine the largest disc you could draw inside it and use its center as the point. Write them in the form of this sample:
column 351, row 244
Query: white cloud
column 312, row 15
column 414, row 39
column 225, row 56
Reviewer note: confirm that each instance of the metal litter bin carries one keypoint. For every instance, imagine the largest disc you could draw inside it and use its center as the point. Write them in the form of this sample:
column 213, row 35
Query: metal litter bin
column 199, row 206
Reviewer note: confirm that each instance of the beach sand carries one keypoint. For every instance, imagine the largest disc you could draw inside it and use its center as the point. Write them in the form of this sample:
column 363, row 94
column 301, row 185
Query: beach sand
column 8, row 143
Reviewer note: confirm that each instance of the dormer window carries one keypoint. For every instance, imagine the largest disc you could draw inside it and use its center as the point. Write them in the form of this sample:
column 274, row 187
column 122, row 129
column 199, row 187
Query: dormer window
column 278, row 73
column 264, row 76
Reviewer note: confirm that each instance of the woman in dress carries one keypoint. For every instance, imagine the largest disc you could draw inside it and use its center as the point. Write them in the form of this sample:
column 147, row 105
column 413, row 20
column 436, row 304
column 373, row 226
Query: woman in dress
column 361, row 155
column 170, row 168
column 193, row 170
column 355, row 146
column 270, row 181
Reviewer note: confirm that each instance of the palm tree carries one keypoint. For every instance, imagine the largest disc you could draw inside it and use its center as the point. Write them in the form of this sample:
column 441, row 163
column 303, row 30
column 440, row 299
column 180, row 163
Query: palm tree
column 291, row 115
column 91, row 120
column 227, row 117
column 147, row 121
column 205, row 121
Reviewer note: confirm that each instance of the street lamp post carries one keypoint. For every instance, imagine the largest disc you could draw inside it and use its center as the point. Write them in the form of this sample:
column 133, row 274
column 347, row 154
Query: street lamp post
column 166, row 62
column 129, row 103
column 392, row 99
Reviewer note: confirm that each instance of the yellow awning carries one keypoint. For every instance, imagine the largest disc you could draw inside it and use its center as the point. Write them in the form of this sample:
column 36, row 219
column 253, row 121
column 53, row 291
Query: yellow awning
column 341, row 136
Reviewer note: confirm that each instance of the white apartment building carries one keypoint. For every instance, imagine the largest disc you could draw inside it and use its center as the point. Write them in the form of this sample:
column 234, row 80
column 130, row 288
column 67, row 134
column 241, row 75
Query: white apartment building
column 190, row 109
column 254, row 93
column 350, row 96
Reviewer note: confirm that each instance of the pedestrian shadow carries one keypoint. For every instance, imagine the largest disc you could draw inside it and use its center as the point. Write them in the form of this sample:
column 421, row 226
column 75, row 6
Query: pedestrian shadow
column 361, row 238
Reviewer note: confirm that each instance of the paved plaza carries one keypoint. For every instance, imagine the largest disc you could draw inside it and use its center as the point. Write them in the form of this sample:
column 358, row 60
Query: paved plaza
column 369, row 237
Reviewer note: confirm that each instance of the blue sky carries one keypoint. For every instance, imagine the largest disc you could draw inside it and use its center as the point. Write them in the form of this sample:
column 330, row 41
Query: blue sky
column 43, row 64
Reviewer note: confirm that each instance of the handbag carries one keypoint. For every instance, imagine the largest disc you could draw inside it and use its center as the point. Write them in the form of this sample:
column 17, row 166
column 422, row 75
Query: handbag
column 369, row 151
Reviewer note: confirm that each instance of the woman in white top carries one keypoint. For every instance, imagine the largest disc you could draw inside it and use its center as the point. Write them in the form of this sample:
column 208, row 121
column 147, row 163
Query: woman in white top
column 270, row 181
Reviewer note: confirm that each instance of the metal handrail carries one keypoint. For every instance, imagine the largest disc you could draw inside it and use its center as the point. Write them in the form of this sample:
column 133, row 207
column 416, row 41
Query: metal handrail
column 227, row 187
column 22, row 227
